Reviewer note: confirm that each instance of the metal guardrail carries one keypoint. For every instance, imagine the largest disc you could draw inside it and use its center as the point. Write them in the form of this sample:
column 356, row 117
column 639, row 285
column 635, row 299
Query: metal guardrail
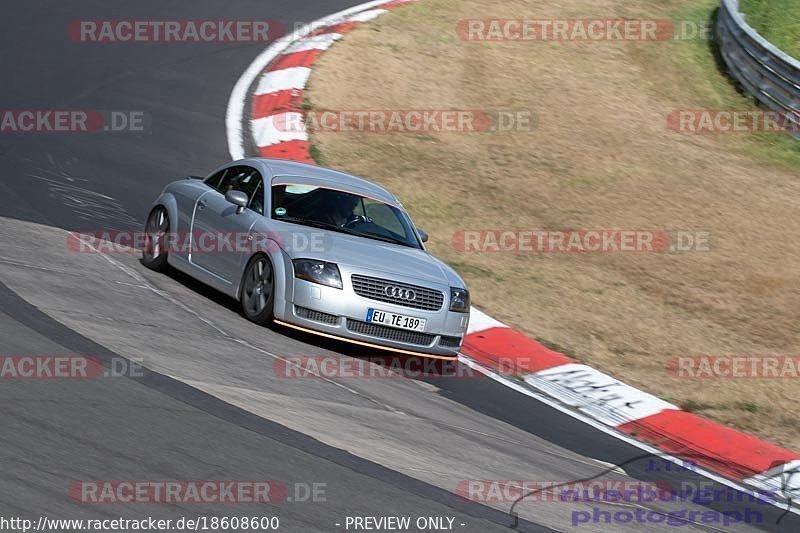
column 770, row 75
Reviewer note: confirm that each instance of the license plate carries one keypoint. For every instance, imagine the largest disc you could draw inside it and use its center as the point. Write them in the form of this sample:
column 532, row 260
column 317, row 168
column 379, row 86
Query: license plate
column 375, row 316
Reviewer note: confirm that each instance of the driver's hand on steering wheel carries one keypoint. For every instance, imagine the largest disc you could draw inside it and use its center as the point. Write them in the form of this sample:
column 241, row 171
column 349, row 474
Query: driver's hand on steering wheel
column 356, row 219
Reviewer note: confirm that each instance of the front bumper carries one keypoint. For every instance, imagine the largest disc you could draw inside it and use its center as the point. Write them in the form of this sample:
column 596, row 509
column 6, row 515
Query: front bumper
column 342, row 313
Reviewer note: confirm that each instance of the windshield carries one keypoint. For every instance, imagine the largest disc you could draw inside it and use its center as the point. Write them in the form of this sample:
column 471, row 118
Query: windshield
column 343, row 212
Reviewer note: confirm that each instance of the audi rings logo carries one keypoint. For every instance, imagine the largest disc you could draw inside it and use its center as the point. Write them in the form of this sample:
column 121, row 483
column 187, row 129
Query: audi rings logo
column 401, row 293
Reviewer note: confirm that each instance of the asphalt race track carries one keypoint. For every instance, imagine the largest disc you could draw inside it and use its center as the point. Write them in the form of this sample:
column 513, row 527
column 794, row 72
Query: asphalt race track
column 201, row 399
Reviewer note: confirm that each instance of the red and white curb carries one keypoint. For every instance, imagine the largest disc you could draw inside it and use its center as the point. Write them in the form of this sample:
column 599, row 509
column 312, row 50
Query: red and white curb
column 604, row 399
column 273, row 87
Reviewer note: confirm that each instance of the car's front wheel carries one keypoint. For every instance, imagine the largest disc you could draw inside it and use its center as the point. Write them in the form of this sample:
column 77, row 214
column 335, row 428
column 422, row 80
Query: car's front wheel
column 154, row 254
column 258, row 290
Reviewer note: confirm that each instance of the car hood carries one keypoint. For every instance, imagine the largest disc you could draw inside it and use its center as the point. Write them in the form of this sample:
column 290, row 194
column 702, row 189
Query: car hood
column 363, row 253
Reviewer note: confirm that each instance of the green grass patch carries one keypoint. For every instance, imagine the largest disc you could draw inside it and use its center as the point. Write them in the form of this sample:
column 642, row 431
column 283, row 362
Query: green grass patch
column 750, row 407
column 778, row 21
column 692, row 406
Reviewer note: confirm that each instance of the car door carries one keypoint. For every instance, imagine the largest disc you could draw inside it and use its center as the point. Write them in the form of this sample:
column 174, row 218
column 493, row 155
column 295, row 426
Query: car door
column 219, row 234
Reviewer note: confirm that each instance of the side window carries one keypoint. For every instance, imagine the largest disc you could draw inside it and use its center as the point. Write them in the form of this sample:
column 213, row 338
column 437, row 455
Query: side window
column 233, row 179
column 248, row 180
column 214, row 179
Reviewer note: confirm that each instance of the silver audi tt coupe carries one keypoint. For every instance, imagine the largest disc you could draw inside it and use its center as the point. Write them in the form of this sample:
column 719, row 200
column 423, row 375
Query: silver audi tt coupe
column 312, row 249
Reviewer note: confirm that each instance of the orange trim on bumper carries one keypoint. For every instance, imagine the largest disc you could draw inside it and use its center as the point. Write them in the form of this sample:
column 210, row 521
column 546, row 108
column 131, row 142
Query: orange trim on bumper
column 362, row 343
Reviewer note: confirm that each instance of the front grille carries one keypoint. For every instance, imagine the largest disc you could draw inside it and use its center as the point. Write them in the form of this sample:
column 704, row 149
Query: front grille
column 392, row 334
column 450, row 342
column 317, row 316
column 373, row 288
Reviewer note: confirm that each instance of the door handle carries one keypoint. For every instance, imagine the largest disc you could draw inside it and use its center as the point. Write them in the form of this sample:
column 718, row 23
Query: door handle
column 201, row 205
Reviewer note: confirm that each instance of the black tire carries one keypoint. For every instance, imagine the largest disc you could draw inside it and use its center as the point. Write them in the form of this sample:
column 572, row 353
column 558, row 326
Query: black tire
column 257, row 294
column 154, row 254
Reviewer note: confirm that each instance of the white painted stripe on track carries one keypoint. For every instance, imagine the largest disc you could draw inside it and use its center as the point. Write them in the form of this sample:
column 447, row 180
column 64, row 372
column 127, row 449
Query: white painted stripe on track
column 599, row 395
column 479, row 321
column 282, row 80
column 279, row 128
column 367, row 15
column 322, row 41
column 783, row 480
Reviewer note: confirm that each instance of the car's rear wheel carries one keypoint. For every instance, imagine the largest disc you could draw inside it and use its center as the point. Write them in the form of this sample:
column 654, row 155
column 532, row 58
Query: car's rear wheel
column 258, row 290
column 154, row 254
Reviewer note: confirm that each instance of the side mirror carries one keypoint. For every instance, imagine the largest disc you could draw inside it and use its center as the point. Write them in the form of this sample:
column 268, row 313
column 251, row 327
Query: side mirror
column 423, row 235
column 237, row 198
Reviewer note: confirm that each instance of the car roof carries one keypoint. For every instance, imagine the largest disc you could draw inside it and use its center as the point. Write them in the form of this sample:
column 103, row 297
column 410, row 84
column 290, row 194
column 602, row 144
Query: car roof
column 285, row 172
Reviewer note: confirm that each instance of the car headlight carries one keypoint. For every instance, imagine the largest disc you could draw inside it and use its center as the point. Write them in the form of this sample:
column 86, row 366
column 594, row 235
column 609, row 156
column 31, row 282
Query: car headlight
column 459, row 300
column 316, row 271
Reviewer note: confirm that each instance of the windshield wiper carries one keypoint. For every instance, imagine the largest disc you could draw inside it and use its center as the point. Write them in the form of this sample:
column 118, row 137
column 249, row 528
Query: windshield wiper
column 383, row 238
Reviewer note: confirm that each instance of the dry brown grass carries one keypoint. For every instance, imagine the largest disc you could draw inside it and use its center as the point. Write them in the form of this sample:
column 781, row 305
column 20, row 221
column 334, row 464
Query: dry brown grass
column 600, row 156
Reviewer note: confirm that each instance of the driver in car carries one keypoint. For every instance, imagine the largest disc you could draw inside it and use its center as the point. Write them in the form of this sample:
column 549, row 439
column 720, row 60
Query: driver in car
column 341, row 209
